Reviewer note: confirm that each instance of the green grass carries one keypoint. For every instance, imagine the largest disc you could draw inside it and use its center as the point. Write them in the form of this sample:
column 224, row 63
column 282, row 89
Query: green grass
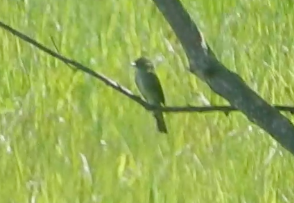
column 66, row 137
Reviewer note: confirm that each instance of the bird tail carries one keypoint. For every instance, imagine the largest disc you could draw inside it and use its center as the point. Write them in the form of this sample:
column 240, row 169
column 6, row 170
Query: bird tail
column 161, row 126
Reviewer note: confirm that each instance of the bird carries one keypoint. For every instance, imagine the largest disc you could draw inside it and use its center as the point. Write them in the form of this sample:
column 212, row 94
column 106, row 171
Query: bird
column 149, row 86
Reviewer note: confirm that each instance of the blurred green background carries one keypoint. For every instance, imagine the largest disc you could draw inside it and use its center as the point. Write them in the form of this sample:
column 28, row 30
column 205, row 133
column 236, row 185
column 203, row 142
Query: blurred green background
column 66, row 137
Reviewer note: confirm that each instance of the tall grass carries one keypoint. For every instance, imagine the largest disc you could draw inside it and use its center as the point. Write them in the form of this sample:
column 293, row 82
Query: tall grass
column 66, row 137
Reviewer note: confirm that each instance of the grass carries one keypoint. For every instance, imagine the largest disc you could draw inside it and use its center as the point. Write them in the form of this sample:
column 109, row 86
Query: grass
column 66, row 137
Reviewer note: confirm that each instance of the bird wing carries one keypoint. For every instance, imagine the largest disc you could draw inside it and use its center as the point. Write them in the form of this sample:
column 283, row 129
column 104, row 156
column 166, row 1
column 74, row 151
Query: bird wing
column 160, row 90
column 152, row 81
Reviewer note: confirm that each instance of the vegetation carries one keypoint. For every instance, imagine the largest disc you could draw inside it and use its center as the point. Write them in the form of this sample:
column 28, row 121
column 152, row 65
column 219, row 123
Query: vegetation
column 66, row 137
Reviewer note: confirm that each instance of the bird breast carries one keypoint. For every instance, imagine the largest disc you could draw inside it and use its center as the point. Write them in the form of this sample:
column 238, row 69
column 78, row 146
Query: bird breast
column 144, row 83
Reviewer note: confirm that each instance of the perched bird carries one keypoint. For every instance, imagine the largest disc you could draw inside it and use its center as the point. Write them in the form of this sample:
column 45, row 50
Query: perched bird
column 149, row 86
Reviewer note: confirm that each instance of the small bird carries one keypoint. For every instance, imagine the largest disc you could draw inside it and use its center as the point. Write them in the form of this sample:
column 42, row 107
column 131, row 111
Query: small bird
column 148, row 84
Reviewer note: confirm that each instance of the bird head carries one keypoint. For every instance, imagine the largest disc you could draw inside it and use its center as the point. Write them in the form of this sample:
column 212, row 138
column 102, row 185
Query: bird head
column 143, row 63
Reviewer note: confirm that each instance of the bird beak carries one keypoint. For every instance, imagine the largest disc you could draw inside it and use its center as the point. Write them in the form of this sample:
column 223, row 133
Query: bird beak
column 133, row 64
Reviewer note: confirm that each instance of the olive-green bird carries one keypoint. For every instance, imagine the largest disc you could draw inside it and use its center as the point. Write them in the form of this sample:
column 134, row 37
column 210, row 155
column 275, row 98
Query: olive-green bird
column 149, row 86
